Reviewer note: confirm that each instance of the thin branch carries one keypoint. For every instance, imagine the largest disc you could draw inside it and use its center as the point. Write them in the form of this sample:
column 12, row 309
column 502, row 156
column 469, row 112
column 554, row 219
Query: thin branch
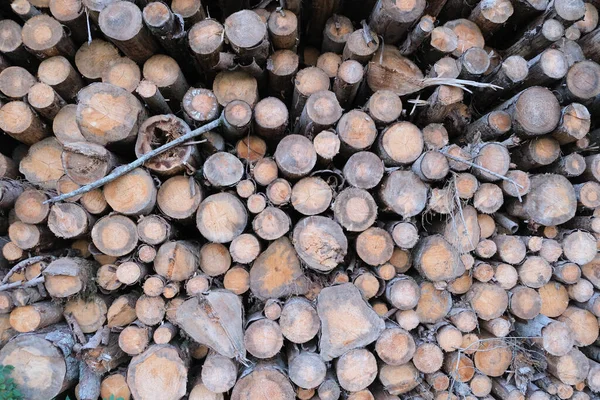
column 473, row 165
column 123, row 169
column 22, row 284
column 24, row 264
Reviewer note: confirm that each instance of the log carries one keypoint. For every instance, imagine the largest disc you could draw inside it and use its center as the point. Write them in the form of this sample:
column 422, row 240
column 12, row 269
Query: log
column 51, row 348
column 122, row 24
column 45, row 37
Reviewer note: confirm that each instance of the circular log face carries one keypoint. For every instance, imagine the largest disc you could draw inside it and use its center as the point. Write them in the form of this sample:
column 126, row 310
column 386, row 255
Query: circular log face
column 221, row 217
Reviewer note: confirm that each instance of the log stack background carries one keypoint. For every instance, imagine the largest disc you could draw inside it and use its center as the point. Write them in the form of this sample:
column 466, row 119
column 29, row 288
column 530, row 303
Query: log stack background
column 396, row 199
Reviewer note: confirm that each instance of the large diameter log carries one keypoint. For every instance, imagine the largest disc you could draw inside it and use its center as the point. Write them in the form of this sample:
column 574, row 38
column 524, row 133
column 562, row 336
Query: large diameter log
column 347, row 321
column 163, row 365
column 290, row 278
column 247, row 35
column 320, row 243
column 488, row 300
column 44, row 366
column 215, row 319
column 571, row 368
column 108, row 114
column 392, row 20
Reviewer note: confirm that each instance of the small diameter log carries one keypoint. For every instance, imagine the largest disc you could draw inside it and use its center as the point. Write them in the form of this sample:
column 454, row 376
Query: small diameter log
column 130, row 272
column 42, row 348
column 571, row 368
column 384, row 106
column 179, row 197
column 536, row 39
column 200, row 106
column 135, row 338
column 431, row 166
column 19, row 121
column 150, row 310
column 45, row 37
column 124, row 110
column 122, row 311
column 247, row 35
column 511, row 73
column 219, row 373
column 36, row 316
column 15, row 82
column 491, row 126
column 214, row 259
column 490, row 15
column 355, row 209
column 177, row 260
column 307, row 81
column 295, row 311
column 42, row 165
column 28, row 237
column 538, row 152
column 348, row 130
column 473, row 63
column 364, row 170
column 92, row 59
column 347, row 81
column 396, row 198
column 85, row 163
column 534, row 111
column 154, row 229
column 311, row 196
column 30, row 207
column 555, row 337
column 90, row 314
column 271, row 119
column 69, row 220
column 122, row 24
column 68, row 276
column 392, row 21
column 132, row 194
column 115, row 235
column 165, row 73
column 72, row 14
column 123, row 72
column 221, row 218
column 374, row 246
column 12, row 46
column 235, row 85
column 155, row 101
column 206, row 41
column 45, row 100
column 283, row 29
column 580, row 322
column 282, row 66
column 337, row 30
column 253, row 384
column 320, row 112
column 159, row 130
column 237, row 119
column 574, row 124
column 280, row 252
column 328, row 233
column 263, row 338
column 169, row 361
column 419, row 33
column 400, row 144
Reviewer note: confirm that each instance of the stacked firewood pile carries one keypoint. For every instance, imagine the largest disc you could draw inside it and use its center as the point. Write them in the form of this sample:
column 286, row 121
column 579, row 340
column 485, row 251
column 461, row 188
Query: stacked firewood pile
column 360, row 200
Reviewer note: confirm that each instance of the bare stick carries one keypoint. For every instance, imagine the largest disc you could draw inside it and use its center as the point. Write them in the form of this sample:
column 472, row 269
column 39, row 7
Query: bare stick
column 22, row 284
column 473, row 165
column 123, row 169
column 24, row 264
